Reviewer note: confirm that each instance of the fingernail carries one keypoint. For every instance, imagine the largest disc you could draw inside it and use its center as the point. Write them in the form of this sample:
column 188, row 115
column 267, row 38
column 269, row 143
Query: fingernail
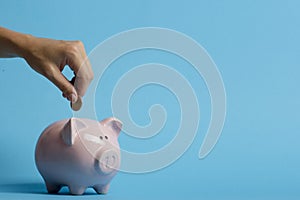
column 73, row 98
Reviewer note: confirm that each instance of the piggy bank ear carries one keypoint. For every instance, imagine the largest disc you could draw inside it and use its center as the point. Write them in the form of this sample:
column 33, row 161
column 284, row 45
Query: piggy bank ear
column 71, row 130
column 114, row 124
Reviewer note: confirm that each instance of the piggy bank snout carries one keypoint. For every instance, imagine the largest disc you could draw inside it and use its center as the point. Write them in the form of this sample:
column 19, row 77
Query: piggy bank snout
column 108, row 161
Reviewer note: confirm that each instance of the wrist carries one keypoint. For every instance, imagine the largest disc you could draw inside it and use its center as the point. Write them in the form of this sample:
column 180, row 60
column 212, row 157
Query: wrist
column 23, row 45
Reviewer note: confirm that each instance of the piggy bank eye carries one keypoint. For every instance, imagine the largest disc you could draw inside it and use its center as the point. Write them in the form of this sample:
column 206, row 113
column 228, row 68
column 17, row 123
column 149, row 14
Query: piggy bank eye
column 106, row 137
column 101, row 137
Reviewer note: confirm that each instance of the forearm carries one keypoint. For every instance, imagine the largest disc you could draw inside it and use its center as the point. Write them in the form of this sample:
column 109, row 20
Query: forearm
column 13, row 44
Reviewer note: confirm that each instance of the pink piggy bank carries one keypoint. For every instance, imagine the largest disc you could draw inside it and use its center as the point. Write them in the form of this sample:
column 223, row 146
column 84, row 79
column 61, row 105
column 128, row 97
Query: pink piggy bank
column 79, row 153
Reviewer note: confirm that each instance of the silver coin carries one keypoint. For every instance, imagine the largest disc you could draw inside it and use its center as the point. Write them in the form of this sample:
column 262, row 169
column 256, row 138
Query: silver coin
column 77, row 105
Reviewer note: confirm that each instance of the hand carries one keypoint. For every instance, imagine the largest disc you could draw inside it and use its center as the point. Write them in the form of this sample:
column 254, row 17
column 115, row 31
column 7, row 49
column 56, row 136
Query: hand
column 49, row 57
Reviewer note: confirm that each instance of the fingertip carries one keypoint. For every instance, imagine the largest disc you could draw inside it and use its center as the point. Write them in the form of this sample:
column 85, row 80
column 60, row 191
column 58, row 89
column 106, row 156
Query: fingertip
column 73, row 97
column 72, row 94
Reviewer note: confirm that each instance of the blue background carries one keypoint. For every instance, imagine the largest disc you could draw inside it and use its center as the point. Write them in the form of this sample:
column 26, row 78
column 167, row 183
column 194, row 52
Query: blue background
column 256, row 46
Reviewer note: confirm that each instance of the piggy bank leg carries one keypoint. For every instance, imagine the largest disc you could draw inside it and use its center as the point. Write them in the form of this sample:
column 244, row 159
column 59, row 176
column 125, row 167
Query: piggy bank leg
column 52, row 188
column 101, row 189
column 76, row 189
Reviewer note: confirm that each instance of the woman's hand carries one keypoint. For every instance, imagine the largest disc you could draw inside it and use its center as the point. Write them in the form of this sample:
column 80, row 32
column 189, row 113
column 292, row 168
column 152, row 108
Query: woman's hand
column 49, row 57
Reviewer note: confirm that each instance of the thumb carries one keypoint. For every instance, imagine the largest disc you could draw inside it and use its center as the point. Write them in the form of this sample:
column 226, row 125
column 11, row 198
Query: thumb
column 68, row 90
